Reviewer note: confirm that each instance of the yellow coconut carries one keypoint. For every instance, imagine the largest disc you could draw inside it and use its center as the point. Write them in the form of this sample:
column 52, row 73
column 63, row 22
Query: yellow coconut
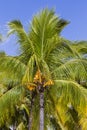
column 37, row 76
column 49, row 83
column 31, row 87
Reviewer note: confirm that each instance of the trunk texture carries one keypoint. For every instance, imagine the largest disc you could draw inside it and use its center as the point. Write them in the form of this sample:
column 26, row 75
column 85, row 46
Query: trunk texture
column 31, row 109
column 41, row 110
column 14, row 126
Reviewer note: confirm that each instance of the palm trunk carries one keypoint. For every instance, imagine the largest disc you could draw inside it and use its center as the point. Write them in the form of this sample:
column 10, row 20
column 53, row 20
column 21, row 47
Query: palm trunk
column 14, row 126
column 42, row 110
column 31, row 110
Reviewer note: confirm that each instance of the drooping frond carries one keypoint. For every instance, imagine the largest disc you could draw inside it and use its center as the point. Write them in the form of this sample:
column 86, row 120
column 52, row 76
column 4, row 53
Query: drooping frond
column 8, row 80
column 8, row 102
column 68, row 117
column 12, row 66
column 80, row 46
column 63, row 51
column 59, row 113
column 74, row 68
column 59, row 47
column 64, row 55
column 50, row 116
column 72, row 92
column 26, row 48
column 62, row 98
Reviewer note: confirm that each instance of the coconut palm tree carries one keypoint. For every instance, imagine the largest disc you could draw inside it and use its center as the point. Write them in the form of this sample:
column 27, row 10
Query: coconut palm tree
column 28, row 52
column 45, row 67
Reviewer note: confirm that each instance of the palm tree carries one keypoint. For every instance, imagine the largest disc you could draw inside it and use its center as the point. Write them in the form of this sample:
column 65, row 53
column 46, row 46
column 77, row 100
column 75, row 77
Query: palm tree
column 45, row 67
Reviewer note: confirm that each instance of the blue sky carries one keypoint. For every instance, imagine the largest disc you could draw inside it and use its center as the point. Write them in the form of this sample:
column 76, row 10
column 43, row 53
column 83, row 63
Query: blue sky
column 74, row 11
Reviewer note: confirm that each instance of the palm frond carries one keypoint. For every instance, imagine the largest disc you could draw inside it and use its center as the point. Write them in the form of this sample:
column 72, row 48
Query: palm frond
column 44, row 28
column 45, row 70
column 68, row 120
column 58, row 112
column 61, row 55
column 61, row 24
column 30, row 71
column 26, row 47
column 72, row 92
column 60, row 109
column 9, row 80
column 8, row 103
column 74, row 68
column 12, row 66
column 81, row 47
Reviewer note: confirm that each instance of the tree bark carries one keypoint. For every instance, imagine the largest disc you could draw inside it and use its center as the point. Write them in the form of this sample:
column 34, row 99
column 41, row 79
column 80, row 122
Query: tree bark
column 14, row 126
column 31, row 110
column 42, row 110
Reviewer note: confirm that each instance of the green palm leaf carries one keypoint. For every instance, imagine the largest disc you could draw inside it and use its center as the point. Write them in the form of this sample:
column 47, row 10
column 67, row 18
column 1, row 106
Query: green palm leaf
column 44, row 28
column 8, row 102
column 72, row 92
column 7, row 64
column 70, row 69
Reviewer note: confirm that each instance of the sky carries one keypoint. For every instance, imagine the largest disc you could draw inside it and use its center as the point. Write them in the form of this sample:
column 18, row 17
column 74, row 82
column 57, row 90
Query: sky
column 74, row 11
